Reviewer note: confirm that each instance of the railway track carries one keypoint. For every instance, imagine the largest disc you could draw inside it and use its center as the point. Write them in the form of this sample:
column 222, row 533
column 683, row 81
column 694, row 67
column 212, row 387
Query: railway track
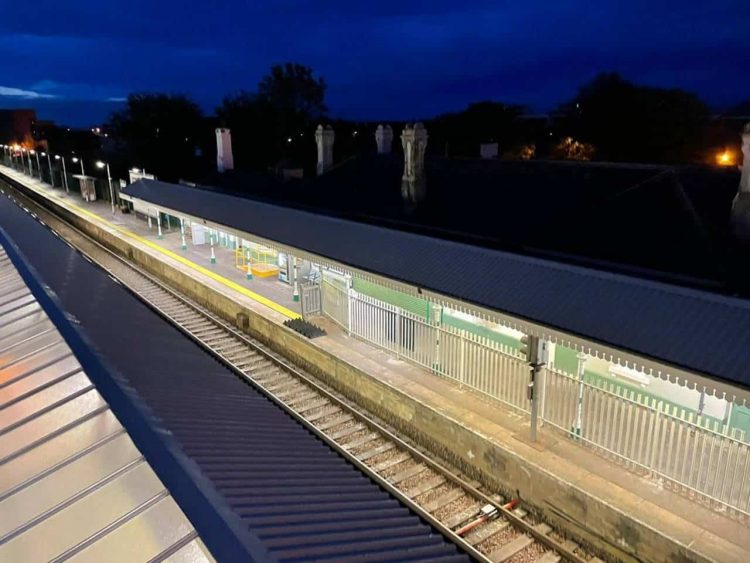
column 485, row 526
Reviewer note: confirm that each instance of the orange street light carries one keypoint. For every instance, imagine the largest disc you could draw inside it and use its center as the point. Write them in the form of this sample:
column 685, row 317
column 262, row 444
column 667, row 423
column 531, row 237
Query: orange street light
column 725, row 158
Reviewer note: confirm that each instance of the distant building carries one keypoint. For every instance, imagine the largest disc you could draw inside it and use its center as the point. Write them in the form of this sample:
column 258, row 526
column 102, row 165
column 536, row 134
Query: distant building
column 17, row 125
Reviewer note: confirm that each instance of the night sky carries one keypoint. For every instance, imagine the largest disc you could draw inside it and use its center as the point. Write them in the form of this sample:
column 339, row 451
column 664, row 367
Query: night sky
column 75, row 61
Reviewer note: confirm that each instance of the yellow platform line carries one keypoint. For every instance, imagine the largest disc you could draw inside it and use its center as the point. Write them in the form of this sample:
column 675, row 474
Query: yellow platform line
column 174, row 256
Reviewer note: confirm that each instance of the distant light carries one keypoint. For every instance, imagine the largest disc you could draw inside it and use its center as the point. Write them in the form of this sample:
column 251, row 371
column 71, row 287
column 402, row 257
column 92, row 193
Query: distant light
column 57, row 157
column 68, row 128
column 32, row 151
column 725, row 158
column 100, row 164
column 288, row 139
column 74, row 159
column 43, row 153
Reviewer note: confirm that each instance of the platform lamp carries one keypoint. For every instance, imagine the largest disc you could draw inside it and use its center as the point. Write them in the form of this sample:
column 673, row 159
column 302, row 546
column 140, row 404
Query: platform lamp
column 76, row 159
column 100, row 164
column 65, row 173
column 49, row 163
column 38, row 166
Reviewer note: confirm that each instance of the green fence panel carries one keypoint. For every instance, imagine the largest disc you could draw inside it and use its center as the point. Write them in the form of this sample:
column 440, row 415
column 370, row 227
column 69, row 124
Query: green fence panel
column 414, row 305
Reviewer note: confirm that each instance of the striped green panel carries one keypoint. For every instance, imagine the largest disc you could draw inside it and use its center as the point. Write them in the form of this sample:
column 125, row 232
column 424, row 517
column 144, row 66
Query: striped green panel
column 567, row 361
column 494, row 336
column 415, row 305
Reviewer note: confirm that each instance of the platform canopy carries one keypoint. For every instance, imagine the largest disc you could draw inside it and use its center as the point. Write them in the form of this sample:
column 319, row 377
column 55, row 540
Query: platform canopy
column 678, row 333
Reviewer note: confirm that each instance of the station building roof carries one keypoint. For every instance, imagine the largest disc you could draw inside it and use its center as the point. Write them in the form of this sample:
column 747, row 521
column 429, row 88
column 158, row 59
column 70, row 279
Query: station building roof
column 672, row 330
column 664, row 222
column 72, row 482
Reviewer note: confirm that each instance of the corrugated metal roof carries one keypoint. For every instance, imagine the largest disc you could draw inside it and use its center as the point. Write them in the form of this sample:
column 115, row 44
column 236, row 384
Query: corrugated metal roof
column 290, row 491
column 72, row 483
column 689, row 329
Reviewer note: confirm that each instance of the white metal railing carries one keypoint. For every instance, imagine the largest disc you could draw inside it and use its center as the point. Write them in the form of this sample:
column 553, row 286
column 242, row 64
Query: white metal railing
column 697, row 457
column 470, row 360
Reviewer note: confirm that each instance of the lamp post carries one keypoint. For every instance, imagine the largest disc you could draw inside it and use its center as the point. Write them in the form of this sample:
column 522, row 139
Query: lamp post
column 100, row 164
column 38, row 166
column 51, row 176
column 65, row 174
column 76, row 159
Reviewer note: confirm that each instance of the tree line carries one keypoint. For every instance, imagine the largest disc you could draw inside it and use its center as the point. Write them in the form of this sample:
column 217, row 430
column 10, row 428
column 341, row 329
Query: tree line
column 609, row 119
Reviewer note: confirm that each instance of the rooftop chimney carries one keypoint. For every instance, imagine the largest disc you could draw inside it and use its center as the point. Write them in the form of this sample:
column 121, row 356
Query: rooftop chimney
column 414, row 141
column 384, row 139
column 741, row 203
column 324, row 138
column 224, row 159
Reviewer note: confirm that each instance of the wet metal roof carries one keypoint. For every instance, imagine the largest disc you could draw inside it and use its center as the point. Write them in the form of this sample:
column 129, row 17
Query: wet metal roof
column 72, row 483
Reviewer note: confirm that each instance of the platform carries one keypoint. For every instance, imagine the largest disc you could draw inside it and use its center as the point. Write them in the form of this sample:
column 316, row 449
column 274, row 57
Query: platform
column 579, row 490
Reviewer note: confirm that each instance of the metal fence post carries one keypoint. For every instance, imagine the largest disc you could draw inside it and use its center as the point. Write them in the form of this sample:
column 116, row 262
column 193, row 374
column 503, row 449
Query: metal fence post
column 576, row 430
column 534, row 396
column 398, row 331
column 349, row 305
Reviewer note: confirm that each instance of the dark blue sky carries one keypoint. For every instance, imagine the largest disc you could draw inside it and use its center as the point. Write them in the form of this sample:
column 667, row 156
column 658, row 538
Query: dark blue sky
column 74, row 60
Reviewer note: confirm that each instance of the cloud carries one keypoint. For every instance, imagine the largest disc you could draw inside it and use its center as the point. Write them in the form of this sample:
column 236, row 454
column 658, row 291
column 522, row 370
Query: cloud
column 23, row 94
column 117, row 99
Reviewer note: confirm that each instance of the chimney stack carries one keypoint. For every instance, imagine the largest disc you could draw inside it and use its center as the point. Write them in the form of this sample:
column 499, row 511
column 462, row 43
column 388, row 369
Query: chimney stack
column 324, row 139
column 741, row 203
column 384, row 139
column 745, row 177
column 224, row 159
column 414, row 142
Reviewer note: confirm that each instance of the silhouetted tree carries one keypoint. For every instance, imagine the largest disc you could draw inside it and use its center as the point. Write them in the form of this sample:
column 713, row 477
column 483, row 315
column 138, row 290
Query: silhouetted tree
column 626, row 122
column 278, row 121
column 482, row 122
column 160, row 132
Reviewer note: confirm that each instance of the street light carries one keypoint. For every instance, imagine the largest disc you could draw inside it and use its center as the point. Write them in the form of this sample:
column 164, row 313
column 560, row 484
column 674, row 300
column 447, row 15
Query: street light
column 76, row 159
column 65, row 174
column 51, row 176
column 100, row 164
column 38, row 166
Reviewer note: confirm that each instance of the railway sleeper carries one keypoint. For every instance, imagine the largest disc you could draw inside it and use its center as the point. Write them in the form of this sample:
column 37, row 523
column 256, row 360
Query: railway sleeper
column 383, row 465
column 302, row 398
column 312, row 406
column 372, row 436
column 334, row 422
column 323, row 412
column 442, row 500
column 486, row 531
column 463, row 517
column 407, row 473
column 427, row 486
column 336, row 436
column 511, row 548
column 388, row 446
